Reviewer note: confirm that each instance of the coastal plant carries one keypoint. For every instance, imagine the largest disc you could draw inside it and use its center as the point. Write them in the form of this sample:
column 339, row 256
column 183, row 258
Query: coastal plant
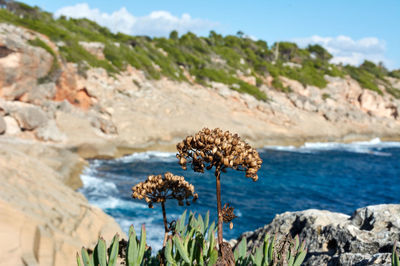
column 288, row 252
column 395, row 257
column 160, row 188
column 220, row 150
column 136, row 252
column 193, row 243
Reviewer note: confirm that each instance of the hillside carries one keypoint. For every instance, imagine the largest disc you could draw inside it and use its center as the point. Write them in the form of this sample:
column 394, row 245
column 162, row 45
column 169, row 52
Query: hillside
column 241, row 63
column 71, row 90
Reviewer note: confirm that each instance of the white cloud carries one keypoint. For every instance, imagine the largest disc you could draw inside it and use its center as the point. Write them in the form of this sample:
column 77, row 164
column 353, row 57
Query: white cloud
column 157, row 23
column 348, row 51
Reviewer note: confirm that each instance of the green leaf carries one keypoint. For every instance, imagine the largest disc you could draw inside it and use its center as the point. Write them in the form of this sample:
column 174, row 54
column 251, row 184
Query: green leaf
column 290, row 262
column 142, row 245
column 271, row 250
column 258, row 256
column 78, row 259
column 201, row 260
column 296, row 242
column 236, row 254
column 168, row 253
column 101, row 252
column 131, row 230
column 131, row 253
column 200, row 224
column 213, row 258
column 181, row 223
column 206, row 221
column 114, row 251
column 242, row 248
column 192, row 245
column 85, row 258
column 181, row 249
column 300, row 258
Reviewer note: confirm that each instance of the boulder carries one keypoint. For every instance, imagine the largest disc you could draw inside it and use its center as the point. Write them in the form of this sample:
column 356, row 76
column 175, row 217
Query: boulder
column 30, row 117
column 3, row 125
column 41, row 92
column 12, row 126
column 365, row 238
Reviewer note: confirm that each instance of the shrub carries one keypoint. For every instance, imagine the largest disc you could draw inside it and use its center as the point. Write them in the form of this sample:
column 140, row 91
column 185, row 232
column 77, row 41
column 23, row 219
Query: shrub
column 395, row 73
column 319, row 51
column 366, row 79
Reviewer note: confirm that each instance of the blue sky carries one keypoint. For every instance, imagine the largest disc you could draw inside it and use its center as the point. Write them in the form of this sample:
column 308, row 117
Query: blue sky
column 351, row 30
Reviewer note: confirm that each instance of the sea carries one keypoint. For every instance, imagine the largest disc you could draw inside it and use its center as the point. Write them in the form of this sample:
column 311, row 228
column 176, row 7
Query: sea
column 330, row 176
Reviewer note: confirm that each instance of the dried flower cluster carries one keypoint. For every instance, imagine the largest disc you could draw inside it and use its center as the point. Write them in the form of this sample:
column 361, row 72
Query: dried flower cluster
column 210, row 148
column 159, row 188
column 227, row 213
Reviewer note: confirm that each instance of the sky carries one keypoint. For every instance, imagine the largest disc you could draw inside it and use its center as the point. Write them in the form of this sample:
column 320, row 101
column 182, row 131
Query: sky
column 351, row 30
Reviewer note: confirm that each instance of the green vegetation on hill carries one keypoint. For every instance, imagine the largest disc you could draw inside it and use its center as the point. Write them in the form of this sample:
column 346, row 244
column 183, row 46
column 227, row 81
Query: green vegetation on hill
column 215, row 58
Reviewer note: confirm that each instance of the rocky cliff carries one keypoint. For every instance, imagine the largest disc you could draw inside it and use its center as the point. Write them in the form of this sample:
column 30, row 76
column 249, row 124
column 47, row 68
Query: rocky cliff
column 51, row 117
column 83, row 107
column 364, row 238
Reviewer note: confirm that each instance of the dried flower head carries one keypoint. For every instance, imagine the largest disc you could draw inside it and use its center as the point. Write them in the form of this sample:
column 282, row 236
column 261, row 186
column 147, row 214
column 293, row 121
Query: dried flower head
column 227, row 213
column 209, row 148
column 159, row 188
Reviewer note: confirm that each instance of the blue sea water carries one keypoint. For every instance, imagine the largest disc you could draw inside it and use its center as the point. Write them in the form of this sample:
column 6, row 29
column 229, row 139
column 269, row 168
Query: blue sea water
column 331, row 176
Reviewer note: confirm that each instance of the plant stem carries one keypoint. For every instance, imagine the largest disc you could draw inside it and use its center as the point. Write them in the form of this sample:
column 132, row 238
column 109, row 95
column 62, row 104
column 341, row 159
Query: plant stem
column 219, row 208
column 165, row 223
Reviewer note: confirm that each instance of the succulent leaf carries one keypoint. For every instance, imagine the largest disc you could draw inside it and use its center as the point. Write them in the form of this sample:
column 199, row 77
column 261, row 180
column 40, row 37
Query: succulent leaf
column 85, row 258
column 112, row 260
column 101, row 252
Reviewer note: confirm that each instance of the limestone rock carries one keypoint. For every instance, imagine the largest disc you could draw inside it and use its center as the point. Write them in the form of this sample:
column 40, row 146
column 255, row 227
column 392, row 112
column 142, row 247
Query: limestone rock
column 30, row 117
column 23, row 64
column 3, row 125
column 42, row 221
column 50, row 132
column 12, row 126
column 365, row 238
column 41, row 92
column 371, row 101
column 95, row 48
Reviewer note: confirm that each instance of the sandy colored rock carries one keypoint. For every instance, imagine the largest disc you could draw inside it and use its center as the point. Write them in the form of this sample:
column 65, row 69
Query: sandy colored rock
column 12, row 126
column 95, row 48
column 24, row 64
column 43, row 221
column 50, row 132
column 30, row 117
column 3, row 125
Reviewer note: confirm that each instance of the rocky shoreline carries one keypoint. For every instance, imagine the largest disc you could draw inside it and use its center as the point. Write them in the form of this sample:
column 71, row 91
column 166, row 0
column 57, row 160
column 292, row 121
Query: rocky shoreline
column 49, row 125
column 364, row 238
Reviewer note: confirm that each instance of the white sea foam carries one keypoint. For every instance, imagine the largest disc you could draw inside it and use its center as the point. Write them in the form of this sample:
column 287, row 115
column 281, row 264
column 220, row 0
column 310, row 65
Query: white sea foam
column 97, row 186
column 103, row 194
column 153, row 155
column 370, row 147
column 111, row 202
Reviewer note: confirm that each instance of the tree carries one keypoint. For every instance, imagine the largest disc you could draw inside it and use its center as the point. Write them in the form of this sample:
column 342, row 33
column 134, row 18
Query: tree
column 320, row 52
column 174, row 35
